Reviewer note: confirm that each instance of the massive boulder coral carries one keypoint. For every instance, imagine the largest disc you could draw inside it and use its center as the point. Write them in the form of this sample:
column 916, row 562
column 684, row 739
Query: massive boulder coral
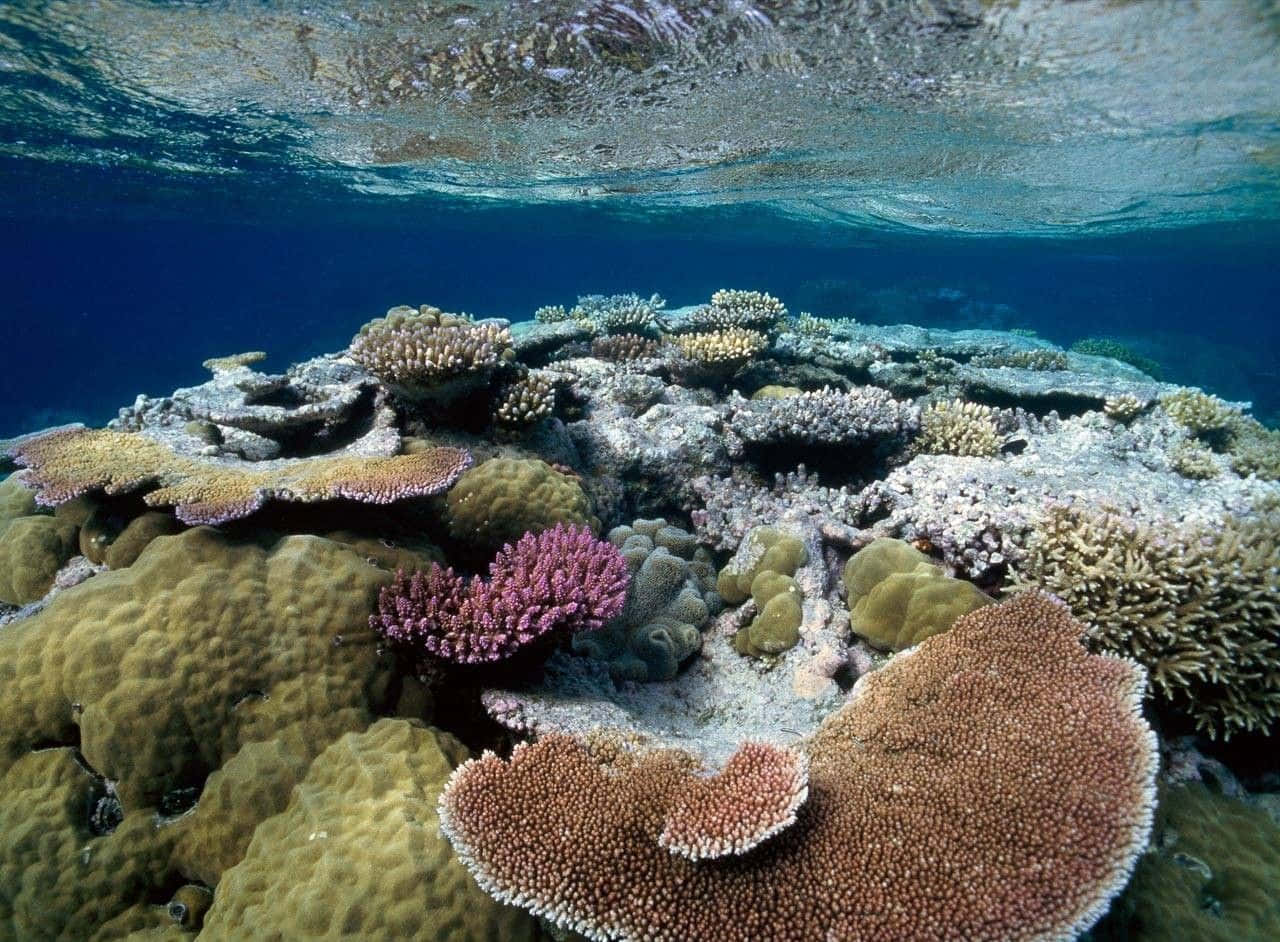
column 66, row 463
column 996, row 783
column 357, row 853
column 501, row 499
column 1198, row 606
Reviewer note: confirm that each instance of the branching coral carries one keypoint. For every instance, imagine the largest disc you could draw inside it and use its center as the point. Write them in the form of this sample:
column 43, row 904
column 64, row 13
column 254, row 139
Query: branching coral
column 724, row 349
column 1045, row 360
column 621, row 347
column 424, row 353
column 1199, row 412
column 995, row 784
column 732, row 308
column 67, row 463
column 1124, row 407
column 560, row 580
column 825, row 416
column 966, row 429
column 525, row 402
column 1199, row 608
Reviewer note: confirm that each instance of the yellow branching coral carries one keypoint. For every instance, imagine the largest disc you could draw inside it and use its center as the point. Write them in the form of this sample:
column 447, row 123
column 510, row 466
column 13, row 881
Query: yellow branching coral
column 1124, row 407
column 722, row 348
column 1199, row 608
column 67, row 463
column 1198, row 411
column 526, row 401
column 967, row 429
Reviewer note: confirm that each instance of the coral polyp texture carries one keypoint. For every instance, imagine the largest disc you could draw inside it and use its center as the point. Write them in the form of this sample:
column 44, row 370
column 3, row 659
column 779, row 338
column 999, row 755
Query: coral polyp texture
column 68, row 463
column 424, row 353
column 1198, row 606
column 559, row 580
column 996, row 783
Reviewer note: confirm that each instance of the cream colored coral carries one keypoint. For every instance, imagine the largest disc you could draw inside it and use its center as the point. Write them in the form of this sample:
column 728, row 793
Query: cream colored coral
column 729, row 347
column 967, row 429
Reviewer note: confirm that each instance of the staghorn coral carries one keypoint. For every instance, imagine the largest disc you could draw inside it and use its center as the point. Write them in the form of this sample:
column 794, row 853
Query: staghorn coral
column 501, row 499
column 1124, row 407
column 994, row 784
column 898, row 596
column 1193, row 460
column 964, row 429
column 622, row 347
column 425, row 354
column 1199, row 607
column 562, row 579
column 1043, row 360
column 671, row 596
column 525, row 402
column 357, row 853
column 826, row 416
column 67, row 463
column 1199, row 412
column 722, row 349
column 732, row 308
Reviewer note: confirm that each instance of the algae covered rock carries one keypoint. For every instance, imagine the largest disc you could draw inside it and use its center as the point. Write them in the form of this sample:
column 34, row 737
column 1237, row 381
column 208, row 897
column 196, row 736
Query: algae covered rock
column 1210, row 874
column 898, row 597
column 671, row 596
column 358, row 853
column 761, row 570
column 500, row 500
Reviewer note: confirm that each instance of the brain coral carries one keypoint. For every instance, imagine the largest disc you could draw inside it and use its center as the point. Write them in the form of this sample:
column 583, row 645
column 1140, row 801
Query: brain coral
column 671, row 596
column 898, row 597
column 501, row 499
column 69, row 462
column 1199, row 608
column 163, row 670
column 995, row 784
column 358, row 853
column 1210, row 875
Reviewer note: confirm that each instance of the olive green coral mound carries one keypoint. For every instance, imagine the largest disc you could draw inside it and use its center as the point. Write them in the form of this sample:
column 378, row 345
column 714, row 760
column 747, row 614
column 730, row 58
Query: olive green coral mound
column 1210, row 875
column 358, row 853
column 60, row 877
column 761, row 570
column 502, row 499
column 32, row 550
column 163, row 670
column 671, row 596
column 1200, row 608
column 898, row 597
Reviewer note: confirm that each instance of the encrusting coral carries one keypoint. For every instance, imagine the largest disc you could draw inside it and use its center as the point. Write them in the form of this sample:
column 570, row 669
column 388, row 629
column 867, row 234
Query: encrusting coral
column 997, row 783
column 559, row 580
column 67, row 463
column 1200, row 608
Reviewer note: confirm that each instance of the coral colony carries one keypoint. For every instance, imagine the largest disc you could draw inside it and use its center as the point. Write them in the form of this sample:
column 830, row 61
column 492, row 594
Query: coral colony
column 703, row 623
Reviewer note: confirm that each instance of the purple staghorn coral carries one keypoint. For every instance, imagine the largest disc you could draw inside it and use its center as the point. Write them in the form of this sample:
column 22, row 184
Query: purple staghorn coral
column 563, row 579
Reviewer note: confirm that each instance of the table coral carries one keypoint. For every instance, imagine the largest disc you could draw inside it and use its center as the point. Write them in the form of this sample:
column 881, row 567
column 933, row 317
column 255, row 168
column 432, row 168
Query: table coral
column 66, row 463
column 997, row 783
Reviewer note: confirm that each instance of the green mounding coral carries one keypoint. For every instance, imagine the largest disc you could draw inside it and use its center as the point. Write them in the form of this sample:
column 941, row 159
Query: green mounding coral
column 502, row 499
column 671, row 596
column 32, row 550
column 16, row 500
column 965, row 429
column 358, row 853
column 761, row 570
column 1106, row 347
column 898, row 596
column 1199, row 608
column 1210, row 875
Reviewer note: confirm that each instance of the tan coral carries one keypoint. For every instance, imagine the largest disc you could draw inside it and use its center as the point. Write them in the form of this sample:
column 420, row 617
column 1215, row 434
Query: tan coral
column 723, row 348
column 66, row 464
column 966, row 429
column 997, row 783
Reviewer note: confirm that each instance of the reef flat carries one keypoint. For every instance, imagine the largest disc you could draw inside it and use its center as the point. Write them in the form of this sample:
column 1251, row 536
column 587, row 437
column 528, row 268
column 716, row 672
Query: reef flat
column 630, row 622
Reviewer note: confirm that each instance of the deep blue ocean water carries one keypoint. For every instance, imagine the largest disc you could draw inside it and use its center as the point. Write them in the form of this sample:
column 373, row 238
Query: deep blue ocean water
column 103, row 302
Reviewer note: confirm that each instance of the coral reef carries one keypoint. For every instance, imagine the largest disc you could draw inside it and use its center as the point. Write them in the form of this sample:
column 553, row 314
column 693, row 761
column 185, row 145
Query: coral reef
column 725, row 349
column 762, row 570
column 898, row 597
column 525, row 402
column 623, row 347
column 1199, row 412
column 560, row 580
column 732, row 308
column 965, row 429
column 671, row 596
column 826, row 416
column 1199, row 607
column 574, row 836
column 67, row 463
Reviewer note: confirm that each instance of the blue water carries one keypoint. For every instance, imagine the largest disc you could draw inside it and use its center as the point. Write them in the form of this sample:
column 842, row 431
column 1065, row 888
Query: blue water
column 105, row 301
